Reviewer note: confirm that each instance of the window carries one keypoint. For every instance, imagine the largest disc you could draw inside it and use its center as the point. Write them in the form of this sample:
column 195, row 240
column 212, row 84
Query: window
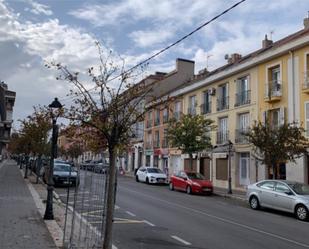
column 244, row 161
column 206, row 106
column 307, row 118
column 223, row 99
column 149, row 119
column 243, row 126
column 222, row 135
column 267, row 185
column 177, row 110
column 192, row 105
column 165, row 141
column 243, row 91
column 156, row 142
column 165, row 115
column 274, row 85
column 282, row 188
column 157, row 117
column 306, row 73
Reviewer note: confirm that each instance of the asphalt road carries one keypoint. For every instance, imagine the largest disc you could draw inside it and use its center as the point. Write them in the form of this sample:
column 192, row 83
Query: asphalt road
column 153, row 217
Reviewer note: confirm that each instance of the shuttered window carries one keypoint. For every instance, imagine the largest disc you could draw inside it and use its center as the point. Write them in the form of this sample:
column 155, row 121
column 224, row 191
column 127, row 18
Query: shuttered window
column 221, row 169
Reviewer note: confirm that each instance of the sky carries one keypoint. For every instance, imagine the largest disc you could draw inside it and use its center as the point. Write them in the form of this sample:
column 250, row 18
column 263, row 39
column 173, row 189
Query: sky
column 36, row 32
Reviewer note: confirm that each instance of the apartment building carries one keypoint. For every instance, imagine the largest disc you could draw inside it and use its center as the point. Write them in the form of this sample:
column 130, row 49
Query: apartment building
column 270, row 85
column 7, row 100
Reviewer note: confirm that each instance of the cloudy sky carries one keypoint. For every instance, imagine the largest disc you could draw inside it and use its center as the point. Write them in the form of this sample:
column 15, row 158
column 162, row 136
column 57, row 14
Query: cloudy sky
column 35, row 31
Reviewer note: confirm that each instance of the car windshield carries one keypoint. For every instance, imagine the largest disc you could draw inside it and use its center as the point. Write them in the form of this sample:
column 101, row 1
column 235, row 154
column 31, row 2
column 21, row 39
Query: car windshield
column 154, row 170
column 62, row 167
column 197, row 176
column 299, row 188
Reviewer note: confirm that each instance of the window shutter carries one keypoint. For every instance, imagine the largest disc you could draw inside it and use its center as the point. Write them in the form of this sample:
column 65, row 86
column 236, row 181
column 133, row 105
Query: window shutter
column 281, row 116
column 264, row 117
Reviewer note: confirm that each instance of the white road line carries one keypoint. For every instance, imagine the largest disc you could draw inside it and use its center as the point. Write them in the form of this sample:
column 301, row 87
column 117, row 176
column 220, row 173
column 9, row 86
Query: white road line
column 149, row 223
column 224, row 220
column 181, row 240
column 129, row 213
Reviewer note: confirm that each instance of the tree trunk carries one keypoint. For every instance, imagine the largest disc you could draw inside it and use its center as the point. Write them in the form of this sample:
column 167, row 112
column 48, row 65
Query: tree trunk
column 191, row 161
column 110, row 202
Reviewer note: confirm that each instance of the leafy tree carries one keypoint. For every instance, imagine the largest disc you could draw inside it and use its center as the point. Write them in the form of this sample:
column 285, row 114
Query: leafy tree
column 109, row 109
column 190, row 134
column 275, row 145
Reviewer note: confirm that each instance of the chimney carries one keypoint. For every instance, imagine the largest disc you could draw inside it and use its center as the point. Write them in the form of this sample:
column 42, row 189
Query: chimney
column 266, row 43
column 233, row 58
column 306, row 22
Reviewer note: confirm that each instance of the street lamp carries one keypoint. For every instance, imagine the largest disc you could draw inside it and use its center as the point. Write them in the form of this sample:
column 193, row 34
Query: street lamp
column 230, row 146
column 55, row 107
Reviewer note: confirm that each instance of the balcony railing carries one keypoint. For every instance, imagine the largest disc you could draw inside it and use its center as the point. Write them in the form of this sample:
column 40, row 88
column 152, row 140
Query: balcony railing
column 156, row 143
column 273, row 89
column 148, row 145
column 240, row 136
column 165, row 119
column 222, row 103
column 222, row 137
column 149, row 123
column 192, row 110
column 164, row 143
column 157, row 121
column 242, row 98
column 206, row 108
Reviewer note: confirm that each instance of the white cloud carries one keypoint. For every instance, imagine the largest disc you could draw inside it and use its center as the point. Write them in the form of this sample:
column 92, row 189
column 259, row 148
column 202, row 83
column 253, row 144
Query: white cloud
column 38, row 8
column 147, row 38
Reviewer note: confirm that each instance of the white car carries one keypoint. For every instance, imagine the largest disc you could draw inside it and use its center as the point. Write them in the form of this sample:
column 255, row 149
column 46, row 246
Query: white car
column 150, row 175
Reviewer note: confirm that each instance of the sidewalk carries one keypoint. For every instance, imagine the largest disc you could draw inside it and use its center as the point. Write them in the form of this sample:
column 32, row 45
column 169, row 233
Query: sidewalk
column 22, row 227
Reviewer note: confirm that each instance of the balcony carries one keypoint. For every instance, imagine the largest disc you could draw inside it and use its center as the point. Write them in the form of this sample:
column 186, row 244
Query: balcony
column 156, row 143
column 164, row 143
column 165, row 119
column 306, row 82
column 222, row 137
column 242, row 98
column 192, row 110
column 157, row 121
column 148, row 145
column 273, row 91
column 149, row 123
column 240, row 137
column 206, row 108
column 222, row 103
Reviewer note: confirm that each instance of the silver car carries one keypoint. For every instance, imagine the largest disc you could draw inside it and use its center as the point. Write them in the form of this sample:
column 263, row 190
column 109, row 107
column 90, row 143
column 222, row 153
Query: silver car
column 282, row 195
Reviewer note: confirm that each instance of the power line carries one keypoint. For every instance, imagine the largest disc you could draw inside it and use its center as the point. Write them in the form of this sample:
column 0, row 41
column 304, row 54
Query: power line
column 176, row 42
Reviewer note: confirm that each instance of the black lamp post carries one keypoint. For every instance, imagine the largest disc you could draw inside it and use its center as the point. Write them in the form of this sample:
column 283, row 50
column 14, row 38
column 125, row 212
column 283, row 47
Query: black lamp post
column 230, row 146
column 55, row 107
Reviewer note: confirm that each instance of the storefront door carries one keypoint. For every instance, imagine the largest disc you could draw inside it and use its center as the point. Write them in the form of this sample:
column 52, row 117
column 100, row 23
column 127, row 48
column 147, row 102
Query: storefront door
column 244, row 162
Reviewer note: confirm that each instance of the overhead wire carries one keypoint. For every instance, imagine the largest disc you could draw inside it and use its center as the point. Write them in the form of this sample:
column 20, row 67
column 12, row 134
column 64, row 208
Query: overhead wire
column 174, row 43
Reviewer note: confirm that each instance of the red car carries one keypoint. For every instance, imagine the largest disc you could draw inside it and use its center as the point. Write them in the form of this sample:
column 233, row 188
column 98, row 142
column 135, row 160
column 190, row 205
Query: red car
column 191, row 182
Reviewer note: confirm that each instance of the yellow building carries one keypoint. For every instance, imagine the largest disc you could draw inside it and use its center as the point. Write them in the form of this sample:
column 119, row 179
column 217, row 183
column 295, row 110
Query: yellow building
column 271, row 82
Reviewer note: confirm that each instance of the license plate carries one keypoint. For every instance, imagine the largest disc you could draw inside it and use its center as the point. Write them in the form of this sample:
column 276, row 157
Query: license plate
column 67, row 182
column 207, row 189
column 161, row 180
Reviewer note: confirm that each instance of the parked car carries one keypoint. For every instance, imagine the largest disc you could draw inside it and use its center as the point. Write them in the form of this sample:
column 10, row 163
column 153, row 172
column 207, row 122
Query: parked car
column 150, row 175
column 64, row 174
column 101, row 168
column 282, row 195
column 191, row 182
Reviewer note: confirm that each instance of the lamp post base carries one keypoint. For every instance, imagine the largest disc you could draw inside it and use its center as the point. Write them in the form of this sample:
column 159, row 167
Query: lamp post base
column 49, row 214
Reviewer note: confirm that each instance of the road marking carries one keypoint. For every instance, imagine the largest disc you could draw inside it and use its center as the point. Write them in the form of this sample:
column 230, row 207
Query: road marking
column 181, row 240
column 131, row 214
column 126, row 221
column 224, row 220
column 149, row 223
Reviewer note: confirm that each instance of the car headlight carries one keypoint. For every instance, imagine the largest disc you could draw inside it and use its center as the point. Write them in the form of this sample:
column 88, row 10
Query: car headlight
column 196, row 184
column 152, row 177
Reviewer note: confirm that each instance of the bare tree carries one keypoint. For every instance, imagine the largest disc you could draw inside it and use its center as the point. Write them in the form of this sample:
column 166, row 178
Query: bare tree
column 109, row 108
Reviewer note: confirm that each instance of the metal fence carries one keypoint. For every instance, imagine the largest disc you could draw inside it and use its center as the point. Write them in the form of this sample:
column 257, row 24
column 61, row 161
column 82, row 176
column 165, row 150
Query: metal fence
column 85, row 210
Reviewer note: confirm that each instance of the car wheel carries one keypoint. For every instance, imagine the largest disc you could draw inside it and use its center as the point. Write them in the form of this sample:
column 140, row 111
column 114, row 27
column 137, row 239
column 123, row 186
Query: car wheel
column 301, row 212
column 136, row 178
column 171, row 186
column 147, row 180
column 189, row 190
column 254, row 203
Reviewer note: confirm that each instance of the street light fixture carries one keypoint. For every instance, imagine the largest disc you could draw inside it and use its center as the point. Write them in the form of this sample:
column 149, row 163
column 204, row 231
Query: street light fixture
column 55, row 107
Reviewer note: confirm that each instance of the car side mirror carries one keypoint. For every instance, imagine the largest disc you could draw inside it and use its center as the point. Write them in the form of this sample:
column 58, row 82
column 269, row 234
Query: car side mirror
column 185, row 178
column 288, row 193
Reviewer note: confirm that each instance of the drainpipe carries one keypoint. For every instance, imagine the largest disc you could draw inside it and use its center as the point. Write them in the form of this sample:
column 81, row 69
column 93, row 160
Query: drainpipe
column 293, row 82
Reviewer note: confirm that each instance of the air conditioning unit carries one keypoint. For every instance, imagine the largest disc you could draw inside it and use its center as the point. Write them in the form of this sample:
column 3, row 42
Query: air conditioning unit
column 212, row 91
